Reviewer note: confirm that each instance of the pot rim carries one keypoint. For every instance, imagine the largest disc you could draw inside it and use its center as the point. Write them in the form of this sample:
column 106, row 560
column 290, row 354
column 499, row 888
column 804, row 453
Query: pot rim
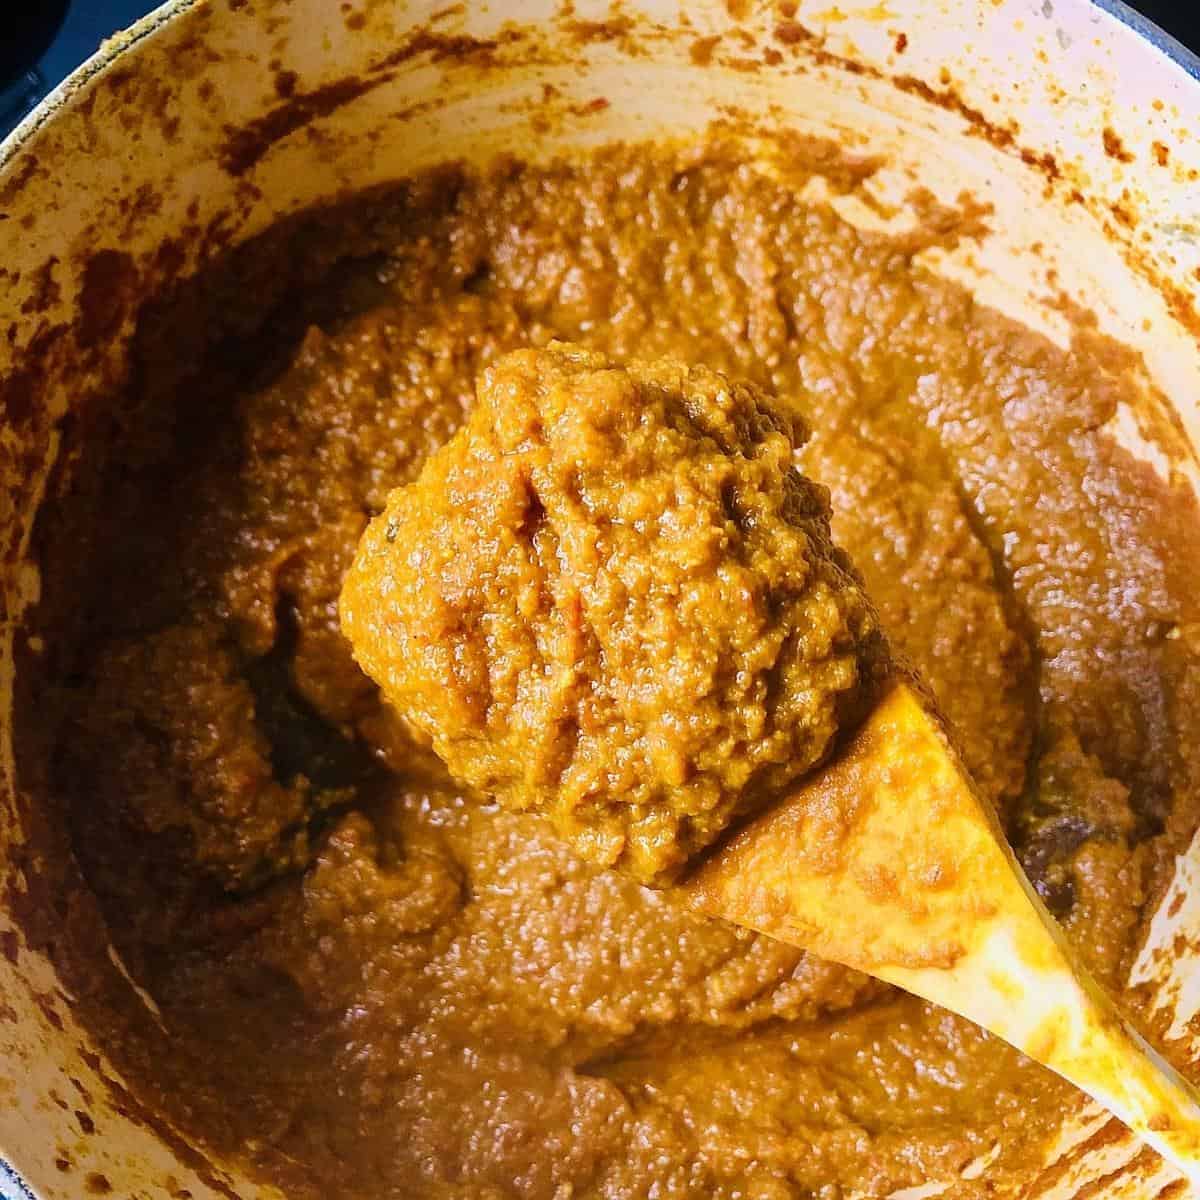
column 1158, row 37
column 112, row 49
column 12, row 1185
column 108, row 52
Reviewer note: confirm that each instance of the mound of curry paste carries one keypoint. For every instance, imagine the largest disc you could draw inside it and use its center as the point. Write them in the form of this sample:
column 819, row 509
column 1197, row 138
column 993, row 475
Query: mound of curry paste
column 371, row 984
column 612, row 599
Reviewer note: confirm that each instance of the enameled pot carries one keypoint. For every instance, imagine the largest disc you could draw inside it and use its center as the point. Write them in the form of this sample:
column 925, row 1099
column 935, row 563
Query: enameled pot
column 1077, row 121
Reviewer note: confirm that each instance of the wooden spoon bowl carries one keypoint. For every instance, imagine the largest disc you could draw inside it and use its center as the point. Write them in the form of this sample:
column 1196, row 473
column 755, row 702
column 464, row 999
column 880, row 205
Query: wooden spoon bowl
column 888, row 860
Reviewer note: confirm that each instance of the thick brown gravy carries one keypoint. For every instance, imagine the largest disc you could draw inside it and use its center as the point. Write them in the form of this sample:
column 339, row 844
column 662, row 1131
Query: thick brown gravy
column 374, row 987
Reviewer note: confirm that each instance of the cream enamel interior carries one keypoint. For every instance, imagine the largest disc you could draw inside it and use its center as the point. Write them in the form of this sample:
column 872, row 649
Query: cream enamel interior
column 1062, row 71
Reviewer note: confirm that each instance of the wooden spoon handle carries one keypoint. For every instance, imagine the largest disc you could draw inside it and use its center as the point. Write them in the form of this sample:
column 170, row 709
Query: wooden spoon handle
column 888, row 860
column 1049, row 1008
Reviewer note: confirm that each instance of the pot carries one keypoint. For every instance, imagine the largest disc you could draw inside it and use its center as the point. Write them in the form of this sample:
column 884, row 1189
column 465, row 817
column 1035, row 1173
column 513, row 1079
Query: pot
column 212, row 119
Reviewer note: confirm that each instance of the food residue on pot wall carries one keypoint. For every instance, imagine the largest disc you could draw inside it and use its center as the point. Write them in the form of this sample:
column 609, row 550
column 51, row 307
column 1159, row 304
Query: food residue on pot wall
column 1114, row 147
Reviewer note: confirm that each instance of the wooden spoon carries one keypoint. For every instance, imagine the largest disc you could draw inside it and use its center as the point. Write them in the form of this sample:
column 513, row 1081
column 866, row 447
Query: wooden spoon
column 889, row 861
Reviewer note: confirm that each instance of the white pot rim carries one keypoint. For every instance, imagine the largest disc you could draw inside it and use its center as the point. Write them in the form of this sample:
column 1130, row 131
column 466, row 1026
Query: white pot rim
column 113, row 48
